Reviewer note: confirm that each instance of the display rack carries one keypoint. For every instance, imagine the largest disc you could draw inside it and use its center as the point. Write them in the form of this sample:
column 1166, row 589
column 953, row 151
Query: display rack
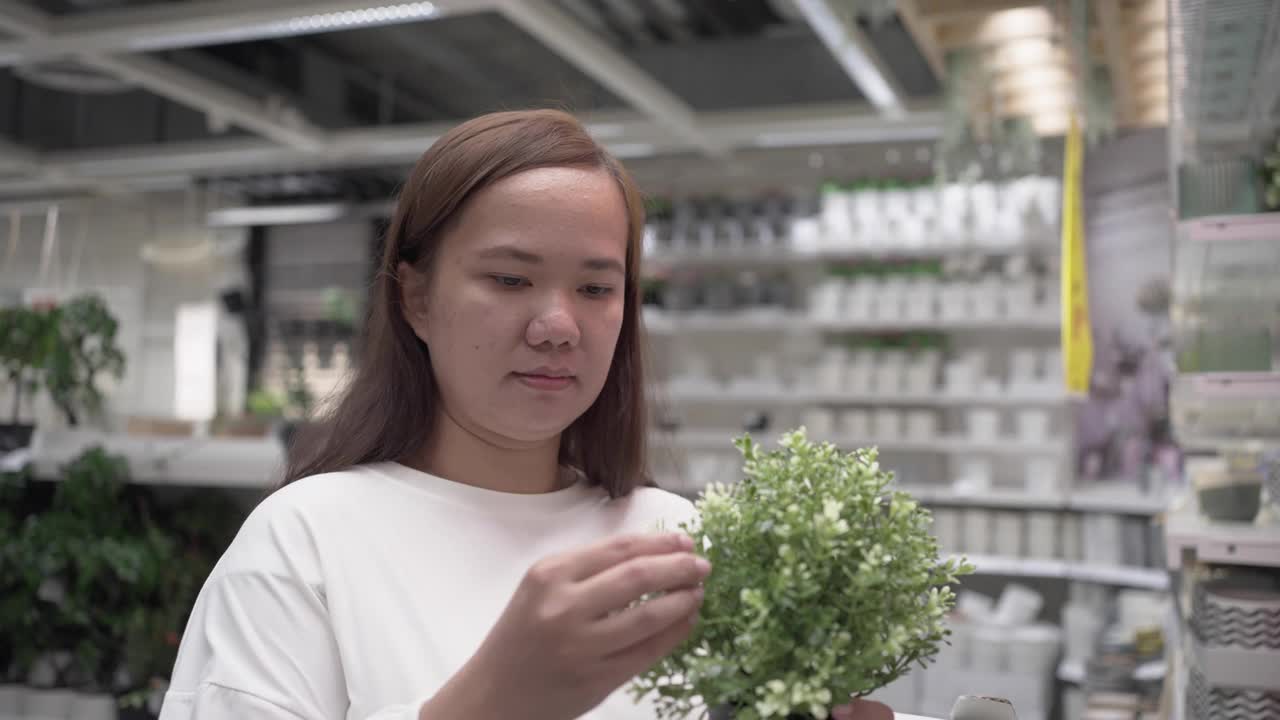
column 246, row 463
column 1227, row 323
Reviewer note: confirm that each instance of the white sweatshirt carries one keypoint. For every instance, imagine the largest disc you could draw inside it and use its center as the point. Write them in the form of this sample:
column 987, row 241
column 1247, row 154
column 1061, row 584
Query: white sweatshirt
column 358, row 594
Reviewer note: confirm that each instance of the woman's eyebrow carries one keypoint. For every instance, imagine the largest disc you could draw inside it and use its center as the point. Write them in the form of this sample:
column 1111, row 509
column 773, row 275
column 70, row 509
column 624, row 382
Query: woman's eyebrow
column 514, row 253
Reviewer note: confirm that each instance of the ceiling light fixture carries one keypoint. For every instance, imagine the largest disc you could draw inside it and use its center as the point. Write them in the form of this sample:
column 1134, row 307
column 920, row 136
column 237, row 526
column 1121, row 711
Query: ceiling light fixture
column 299, row 25
column 847, row 136
column 276, row 215
column 835, row 34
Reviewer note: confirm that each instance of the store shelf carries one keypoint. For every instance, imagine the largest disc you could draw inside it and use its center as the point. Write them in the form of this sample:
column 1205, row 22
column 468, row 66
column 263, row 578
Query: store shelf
column 783, row 397
column 659, row 322
column 1072, row 670
column 721, row 439
column 1260, row 227
column 1120, row 502
column 828, row 251
column 191, row 461
column 1219, row 542
column 1136, row 577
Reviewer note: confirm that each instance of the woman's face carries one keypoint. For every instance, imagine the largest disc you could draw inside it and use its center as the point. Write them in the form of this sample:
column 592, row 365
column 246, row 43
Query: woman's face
column 522, row 307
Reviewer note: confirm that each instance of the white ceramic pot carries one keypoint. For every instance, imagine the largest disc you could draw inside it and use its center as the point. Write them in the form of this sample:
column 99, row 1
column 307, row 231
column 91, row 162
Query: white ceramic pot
column 960, row 378
column 1042, row 476
column 1008, row 533
column 975, row 707
column 1072, row 541
column 919, row 379
column 1033, row 425
column 1018, row 605
column 1081, row 625
column 888, row 378
column 43, row 704
column 1034, row 648
column 1042, row 534
column 856, row 424
column 989, row 652
column 13, row 702
column 93, row 707
column 984, row 300
column 820, row 422
column 977, row 533
column 888, row 424
column 922, row 424
column 953, row 301
column 946, row 528
column 984, row 424
column 1022, row 365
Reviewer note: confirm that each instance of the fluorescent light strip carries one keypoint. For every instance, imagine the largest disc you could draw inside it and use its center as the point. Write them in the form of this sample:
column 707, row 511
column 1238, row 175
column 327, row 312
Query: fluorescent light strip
column 833, row 33
column 849, row 136
column 276, row 215
column 300, row 25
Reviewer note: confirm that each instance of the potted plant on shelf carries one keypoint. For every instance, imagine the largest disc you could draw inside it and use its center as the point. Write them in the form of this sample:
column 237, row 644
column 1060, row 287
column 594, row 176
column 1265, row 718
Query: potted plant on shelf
column 825, row 585
column 83, row 348
column 83, row 567
column 25, row 340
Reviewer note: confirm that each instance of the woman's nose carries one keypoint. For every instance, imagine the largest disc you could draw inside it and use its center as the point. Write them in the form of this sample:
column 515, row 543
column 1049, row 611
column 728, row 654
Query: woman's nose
column 554, row 325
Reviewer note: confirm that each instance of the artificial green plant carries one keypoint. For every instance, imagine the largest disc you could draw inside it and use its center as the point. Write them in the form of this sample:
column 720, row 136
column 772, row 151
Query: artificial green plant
column 825, row 585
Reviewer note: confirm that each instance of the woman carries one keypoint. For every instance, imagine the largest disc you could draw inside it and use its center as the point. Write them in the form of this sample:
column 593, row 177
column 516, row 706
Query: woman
column 472, row 536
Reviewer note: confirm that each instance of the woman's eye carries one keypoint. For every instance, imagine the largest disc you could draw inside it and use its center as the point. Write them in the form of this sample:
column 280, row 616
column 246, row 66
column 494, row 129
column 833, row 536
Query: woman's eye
column 596, row 290
column 510, row 281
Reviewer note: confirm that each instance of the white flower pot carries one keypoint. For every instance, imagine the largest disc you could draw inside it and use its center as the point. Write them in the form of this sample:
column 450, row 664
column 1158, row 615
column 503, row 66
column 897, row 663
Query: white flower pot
column 96, row 706
column 13, row 702
column 49, row 704
column 974, row 707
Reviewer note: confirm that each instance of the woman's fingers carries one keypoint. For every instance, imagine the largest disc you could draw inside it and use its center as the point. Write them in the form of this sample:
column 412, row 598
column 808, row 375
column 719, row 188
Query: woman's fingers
column 640, row 656
column 862, row 710
column 594, row 559
column 648, row 619
column 621, row 585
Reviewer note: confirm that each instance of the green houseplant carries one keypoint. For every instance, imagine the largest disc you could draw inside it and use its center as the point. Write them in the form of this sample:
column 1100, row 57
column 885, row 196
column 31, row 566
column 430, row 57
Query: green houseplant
column 83, row 349
column 25, row 341
column 825, row 585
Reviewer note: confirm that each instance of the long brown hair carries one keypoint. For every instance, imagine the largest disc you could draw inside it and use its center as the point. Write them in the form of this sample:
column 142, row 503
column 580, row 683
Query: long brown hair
column 388, row 409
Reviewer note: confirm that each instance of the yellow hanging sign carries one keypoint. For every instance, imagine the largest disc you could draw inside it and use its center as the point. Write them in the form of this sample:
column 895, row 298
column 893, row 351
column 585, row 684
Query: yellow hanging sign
column 1077, row 335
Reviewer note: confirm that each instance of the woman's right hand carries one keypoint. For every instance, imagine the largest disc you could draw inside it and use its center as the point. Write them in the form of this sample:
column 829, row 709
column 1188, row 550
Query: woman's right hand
column 575, row 630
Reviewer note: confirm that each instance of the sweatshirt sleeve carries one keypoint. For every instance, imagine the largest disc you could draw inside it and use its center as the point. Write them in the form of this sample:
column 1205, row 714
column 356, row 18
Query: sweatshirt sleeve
column 260, row 644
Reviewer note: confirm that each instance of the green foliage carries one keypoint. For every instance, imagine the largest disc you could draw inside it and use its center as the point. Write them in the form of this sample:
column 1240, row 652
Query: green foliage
column 824, row 585
column 94, row 570
column 84, row 349
column 341, row 307
column 265, row 404
column 26, row 340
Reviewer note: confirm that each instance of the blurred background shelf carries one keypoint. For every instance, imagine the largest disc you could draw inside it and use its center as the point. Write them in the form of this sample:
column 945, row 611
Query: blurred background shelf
column 669, row 323
column 801, row 397
column 1219, row 542
column 833, row 250
column 1137, row 577
column 223, row 462
column 711, row 439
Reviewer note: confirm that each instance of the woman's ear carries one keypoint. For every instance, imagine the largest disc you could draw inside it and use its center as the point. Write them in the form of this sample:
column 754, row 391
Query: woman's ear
column 413, row 297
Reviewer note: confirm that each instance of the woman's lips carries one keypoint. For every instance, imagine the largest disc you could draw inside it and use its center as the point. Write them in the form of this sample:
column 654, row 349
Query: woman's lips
column 545, row 382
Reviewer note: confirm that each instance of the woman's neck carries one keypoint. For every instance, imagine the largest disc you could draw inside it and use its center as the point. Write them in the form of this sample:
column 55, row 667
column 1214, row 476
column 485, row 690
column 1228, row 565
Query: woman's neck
column 472, row 457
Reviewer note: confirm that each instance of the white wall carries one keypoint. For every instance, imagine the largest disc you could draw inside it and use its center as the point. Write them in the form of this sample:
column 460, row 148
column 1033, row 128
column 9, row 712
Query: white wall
column 108, row 236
